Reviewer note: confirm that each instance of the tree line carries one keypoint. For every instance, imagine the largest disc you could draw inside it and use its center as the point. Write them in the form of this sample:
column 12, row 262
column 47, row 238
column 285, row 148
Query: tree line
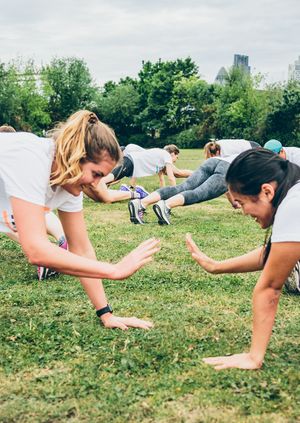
column 168, row 102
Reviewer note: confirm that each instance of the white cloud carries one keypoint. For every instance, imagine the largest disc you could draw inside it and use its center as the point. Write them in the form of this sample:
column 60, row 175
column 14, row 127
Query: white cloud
column 114, row 36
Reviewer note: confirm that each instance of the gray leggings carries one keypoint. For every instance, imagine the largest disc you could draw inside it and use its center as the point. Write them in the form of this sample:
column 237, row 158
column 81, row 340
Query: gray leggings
column 206, row 183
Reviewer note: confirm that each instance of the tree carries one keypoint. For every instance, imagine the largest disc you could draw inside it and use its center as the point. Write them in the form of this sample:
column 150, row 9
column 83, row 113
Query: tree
column 118, row 106
column 68, row 86
column 10, row 107
column 189, row 101
column 283, row 121
column 239, row 107
column 34, row 117
column 21, row 102
column 155, row 86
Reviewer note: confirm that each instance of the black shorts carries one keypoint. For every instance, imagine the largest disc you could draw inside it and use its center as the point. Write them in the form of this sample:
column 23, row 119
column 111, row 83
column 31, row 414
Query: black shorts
column 124, row 170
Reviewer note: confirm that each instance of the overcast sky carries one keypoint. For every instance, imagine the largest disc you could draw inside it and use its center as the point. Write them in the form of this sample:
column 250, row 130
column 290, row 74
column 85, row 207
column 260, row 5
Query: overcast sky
column 114, row 36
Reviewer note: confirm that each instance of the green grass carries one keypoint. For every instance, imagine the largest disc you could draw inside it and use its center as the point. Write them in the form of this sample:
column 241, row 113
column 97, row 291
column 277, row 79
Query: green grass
column 59, row 365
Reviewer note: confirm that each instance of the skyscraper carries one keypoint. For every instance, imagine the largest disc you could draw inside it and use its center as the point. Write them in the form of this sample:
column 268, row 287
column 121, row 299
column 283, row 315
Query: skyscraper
column 294, row 71
column 241, row 61
column 221, row 76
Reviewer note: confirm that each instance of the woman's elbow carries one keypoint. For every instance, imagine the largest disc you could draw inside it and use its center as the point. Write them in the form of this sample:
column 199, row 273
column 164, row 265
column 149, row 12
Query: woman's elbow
column 35, row 254
column 272, row 289
column 107, row 200
column 35, row 259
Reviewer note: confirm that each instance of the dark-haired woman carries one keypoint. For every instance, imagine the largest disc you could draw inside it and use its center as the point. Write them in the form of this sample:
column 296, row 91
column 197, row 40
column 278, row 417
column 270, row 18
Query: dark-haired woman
column 268, row 189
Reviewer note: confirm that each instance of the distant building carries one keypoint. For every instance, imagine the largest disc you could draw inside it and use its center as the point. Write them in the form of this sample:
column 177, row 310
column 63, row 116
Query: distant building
column 294, row 71
column 221, row 76
column 241, row 61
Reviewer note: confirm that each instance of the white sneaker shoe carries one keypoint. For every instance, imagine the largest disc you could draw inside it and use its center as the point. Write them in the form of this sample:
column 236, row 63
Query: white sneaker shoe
column 136, row 212
column 162, row 212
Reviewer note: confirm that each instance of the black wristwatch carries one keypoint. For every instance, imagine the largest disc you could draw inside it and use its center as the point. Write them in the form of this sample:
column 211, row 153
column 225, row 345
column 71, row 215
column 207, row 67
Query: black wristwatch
column 104, row 310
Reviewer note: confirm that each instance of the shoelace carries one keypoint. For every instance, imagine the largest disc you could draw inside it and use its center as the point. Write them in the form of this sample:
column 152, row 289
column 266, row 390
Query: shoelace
column 168, row 211
column 141, row 213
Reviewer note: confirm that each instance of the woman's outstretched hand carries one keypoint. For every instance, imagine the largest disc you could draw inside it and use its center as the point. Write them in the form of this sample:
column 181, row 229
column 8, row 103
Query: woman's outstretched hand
column 202, row 259
column 110, row 321
column 138, row 257
column 237, row 361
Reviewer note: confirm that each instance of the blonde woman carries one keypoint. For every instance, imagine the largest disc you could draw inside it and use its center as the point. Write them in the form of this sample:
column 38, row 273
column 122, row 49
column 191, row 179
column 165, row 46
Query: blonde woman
column 53, row 225
column 38, row 174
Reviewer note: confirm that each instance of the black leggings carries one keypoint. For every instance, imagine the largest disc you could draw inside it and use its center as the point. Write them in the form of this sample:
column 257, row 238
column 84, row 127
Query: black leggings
column 124, row 170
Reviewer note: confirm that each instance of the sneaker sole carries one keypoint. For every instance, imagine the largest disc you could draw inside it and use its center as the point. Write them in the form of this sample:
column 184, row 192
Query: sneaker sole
column 161, row 220
column 133, row 218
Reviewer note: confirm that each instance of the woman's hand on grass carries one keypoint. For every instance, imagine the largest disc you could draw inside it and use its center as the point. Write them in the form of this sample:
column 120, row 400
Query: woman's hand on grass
column 238, row 361
column 202, row 259
column 138, row 257
column 110, row 321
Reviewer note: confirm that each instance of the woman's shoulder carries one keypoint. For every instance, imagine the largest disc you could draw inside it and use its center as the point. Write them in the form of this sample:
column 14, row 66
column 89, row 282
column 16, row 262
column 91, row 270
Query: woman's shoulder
column 286, row 221
column 290, row 205
column 294, row 191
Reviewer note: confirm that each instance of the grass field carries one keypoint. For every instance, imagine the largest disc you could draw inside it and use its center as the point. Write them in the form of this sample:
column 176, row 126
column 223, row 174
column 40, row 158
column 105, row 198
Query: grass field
column 59, row 365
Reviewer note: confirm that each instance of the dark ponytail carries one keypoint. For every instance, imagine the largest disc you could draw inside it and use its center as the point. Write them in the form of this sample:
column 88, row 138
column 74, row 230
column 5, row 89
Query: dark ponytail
column 253, row 168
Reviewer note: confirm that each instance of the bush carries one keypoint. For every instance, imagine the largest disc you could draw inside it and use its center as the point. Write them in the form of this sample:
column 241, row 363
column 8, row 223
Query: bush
column 139, row 139
column 189, row 138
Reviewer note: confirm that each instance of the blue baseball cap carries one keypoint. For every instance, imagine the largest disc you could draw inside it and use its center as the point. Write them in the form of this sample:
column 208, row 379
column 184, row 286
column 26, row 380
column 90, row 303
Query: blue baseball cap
column 273, row 145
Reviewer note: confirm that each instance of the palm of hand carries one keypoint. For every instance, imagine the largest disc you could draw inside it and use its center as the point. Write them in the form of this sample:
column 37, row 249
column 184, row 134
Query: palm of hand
column 125, row 323
column 201, row 258
column 238, row 361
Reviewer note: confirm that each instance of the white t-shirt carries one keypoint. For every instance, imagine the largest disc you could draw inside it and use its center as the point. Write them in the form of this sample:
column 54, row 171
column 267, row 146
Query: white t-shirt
column 286, row 226
column 25, row 167
column 229, row 147
column 149, row 162
column 130, row 148
column 293, row 154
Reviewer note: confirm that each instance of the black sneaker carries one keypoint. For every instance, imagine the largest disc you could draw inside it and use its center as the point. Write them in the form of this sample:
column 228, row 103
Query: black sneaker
column 136, row 212
column 162, row 212
column 45, row 273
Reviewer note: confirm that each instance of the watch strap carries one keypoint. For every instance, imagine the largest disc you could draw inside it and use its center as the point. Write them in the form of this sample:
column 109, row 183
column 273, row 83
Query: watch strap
column 104, row 310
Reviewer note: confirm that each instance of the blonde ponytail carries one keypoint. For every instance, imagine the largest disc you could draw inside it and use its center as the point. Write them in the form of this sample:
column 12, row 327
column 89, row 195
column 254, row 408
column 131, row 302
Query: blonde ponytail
column 83, row 137
column 212, row 149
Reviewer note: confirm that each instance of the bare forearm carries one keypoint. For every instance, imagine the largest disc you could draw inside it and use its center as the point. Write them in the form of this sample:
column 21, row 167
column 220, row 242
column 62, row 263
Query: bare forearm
column 182, row 173
column 249, row 262
column 265, row 302
column 161, row 180
column 95, row 291
column 92, row 193
column 49, row 255
column 172, row 182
